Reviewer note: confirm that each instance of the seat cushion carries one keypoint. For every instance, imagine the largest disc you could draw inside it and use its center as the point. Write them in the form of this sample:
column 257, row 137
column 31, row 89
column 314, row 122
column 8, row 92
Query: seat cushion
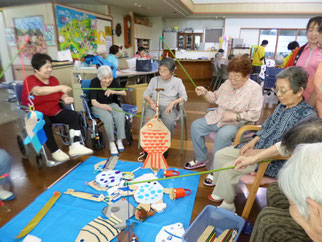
column 250, row 179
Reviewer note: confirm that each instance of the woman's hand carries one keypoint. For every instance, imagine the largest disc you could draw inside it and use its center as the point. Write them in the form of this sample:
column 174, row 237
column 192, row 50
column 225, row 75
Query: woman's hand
column 169, row 108
column 228, row 116
column 106, row 107
column 65, row 89
column 242, row 162
column 201, row 91
column 153, row 105
column 68, row 100
column 109, row 92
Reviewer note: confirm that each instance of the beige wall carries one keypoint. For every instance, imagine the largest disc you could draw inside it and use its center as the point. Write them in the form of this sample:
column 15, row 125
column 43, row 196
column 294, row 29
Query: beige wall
column 118, row 15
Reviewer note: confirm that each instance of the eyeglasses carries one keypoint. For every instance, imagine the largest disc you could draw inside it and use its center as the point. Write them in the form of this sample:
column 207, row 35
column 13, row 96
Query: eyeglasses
column 235, row 78
column 282, row 92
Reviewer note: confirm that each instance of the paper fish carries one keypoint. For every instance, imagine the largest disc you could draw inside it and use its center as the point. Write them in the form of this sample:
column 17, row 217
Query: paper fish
column 173, row 233
column 34, row 123
column 155, row 140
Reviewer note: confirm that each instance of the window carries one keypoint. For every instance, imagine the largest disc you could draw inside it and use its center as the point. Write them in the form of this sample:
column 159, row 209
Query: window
column 278, row 39
column 285, row 37
column 271, row 36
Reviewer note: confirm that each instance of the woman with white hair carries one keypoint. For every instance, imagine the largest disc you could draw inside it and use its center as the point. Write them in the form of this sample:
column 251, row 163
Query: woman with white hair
column 300, row 180
column 106, row 106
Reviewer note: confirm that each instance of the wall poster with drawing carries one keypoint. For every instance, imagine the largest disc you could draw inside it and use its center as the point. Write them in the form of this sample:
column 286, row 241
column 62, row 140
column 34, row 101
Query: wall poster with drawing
column 32, row 28
column 77, row 31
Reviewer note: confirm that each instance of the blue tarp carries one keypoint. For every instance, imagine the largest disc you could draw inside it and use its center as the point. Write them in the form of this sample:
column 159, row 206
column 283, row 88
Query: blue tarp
column 70, row 214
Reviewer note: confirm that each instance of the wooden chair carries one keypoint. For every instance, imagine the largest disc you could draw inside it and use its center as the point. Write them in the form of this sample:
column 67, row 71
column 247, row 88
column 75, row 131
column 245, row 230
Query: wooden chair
column 254, row 180
column 182, row 117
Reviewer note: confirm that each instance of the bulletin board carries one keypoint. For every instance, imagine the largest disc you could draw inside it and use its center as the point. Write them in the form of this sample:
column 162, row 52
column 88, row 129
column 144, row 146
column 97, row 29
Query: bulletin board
column 82, row 32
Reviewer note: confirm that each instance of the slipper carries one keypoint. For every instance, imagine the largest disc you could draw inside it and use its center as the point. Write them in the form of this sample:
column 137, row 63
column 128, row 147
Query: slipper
column 214, row 200
column 194, row 164
column 208, row 181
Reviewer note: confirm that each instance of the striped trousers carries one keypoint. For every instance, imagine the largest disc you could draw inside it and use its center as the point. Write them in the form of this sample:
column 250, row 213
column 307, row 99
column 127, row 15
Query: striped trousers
column 274, row 223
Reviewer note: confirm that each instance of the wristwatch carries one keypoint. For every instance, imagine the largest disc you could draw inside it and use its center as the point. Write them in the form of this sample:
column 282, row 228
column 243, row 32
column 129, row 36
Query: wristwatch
column 238, row 118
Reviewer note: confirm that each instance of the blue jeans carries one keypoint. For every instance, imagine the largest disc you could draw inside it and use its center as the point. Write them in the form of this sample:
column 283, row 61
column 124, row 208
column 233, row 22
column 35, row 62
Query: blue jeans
column 200, row 129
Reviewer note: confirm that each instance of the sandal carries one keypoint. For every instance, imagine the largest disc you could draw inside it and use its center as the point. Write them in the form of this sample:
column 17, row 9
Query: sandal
column 211, row 198
column 208, row 181
column 194, row 164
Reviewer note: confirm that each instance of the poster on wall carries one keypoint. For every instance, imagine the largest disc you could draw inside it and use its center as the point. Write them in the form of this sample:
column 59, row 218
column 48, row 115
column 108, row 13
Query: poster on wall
column 50, row 35
column 76, row 31
column 31, row 28
column 104, row 35
column 11, row 39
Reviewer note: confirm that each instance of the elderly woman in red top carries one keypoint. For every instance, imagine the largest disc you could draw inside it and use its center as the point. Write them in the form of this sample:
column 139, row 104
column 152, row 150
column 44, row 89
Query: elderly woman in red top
column 239, row 101
column 47, row 94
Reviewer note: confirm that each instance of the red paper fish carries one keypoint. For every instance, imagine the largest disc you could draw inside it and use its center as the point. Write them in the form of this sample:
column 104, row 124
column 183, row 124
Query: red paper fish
column 155, row 140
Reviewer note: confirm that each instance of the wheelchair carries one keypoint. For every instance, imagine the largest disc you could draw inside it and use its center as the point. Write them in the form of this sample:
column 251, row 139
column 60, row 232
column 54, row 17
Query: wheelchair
column 60, row 129
column 96, row 135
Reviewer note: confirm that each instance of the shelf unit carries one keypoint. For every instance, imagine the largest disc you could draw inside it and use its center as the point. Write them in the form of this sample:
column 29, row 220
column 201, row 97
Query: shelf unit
column 189, row 41
column 143, row 42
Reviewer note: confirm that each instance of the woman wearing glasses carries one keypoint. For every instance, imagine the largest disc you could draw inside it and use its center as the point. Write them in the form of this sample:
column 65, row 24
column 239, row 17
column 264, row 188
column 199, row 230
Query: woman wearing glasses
column 239, row 101
column 290, row 85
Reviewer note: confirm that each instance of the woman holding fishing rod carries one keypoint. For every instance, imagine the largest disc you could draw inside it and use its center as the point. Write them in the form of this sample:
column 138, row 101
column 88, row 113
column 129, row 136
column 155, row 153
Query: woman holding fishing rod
column 106, row 106
column 292, row 110
column 48, row 93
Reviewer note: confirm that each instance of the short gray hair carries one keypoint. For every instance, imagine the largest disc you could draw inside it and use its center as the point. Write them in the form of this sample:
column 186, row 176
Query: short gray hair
column 300, row 177
column 104, row 71
column 297, row 76
column 169, row 63
column 218, row 54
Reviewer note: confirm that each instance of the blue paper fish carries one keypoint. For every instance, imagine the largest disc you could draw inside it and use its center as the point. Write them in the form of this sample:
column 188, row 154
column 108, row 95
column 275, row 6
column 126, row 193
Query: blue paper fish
column 34, row 123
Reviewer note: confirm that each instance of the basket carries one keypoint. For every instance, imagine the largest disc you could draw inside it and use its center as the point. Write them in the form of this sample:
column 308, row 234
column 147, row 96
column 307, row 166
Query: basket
column 220, row 218
column 129, row 109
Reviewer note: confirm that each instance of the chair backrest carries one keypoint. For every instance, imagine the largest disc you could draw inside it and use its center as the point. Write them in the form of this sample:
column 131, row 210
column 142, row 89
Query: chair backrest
column 18, row 91
column 86, row 84
column 215, row 71
column 273, row 71
column 224, row 73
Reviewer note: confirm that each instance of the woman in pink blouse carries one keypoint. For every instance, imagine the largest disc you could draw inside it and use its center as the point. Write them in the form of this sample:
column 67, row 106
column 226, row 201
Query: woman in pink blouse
column 239, row 101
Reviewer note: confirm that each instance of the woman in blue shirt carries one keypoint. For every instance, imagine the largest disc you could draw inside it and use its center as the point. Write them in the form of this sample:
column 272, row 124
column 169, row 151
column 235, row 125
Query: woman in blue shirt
column 114, row 50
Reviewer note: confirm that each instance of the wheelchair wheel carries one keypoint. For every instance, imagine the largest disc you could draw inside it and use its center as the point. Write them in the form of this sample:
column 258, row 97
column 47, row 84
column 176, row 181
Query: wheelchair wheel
column 98, row 142
column 128, row 130
column 21, row 146
column 83, row 126
column 39, row 160
column 64, row 134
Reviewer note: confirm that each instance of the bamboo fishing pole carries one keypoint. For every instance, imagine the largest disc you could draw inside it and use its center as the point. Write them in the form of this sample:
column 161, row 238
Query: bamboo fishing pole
column 189, row 77
column 186, row 175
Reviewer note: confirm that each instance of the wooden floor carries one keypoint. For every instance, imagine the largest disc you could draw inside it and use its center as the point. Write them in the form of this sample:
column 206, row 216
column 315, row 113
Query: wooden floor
column 28, row 181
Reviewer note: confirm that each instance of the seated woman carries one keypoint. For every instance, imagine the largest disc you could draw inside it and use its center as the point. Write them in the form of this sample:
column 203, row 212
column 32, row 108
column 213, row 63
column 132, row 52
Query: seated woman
column 47, row 94
column 300, row 180
column 141, row 54
column 274, row 222
column 5, row 164
column 239, row 101
column 174, row 93
column 290, row 85
column 106, row 107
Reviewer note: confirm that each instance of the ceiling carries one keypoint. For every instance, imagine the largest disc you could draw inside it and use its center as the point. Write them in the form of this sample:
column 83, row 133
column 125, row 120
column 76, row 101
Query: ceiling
column 199, row 8
column 164, row 8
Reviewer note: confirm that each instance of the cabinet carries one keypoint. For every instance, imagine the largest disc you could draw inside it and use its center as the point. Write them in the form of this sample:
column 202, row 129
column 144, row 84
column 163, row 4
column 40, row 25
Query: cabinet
column 144, row 43
column 189, row 41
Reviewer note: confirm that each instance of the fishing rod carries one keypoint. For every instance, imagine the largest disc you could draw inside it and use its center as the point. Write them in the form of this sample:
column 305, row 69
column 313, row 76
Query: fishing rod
column 189, row 77
column 186, row 175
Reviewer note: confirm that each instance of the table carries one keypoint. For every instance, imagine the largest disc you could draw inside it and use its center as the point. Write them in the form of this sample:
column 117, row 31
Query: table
column 70, row 214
